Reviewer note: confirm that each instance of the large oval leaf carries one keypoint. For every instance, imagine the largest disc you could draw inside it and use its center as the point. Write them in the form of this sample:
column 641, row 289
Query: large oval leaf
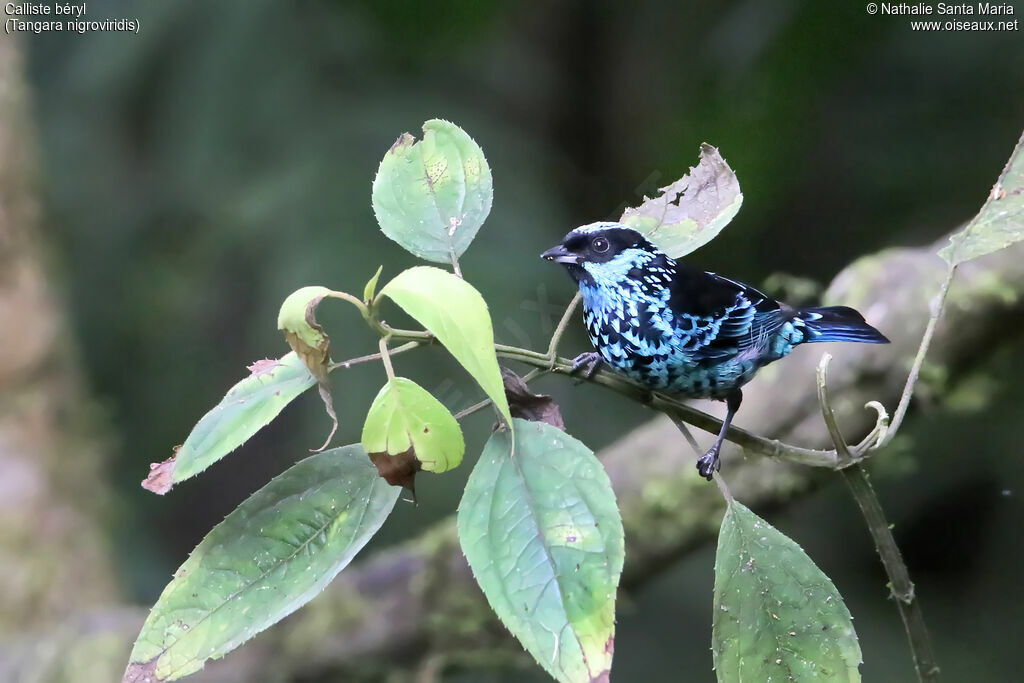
column 690, row 212
column 542, row 533
column 1000, row 222
column 457, row 315
column 245, row 409
column 777, row 616
column 269, row 557
column 432, row 196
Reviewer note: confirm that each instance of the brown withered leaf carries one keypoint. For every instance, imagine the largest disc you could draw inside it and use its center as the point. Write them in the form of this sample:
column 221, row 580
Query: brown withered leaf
column 316, row 357
column 691, row 211
column 527, row 405
column 262, row 367
column 398, row 470
column 160, row 478
column 142, row 672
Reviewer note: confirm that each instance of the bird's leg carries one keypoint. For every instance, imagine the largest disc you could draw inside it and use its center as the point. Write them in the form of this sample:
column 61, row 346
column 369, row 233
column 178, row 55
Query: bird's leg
column 588, row 362
column 709, row 463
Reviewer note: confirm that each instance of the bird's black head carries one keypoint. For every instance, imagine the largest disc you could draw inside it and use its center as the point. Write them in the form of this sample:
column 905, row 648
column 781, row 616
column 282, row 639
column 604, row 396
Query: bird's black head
column 600, row 249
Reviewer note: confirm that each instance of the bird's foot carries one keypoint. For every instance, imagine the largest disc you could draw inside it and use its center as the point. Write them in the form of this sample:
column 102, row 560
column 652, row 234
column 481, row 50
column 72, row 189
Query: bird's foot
column 709, row 463
column 589, row 363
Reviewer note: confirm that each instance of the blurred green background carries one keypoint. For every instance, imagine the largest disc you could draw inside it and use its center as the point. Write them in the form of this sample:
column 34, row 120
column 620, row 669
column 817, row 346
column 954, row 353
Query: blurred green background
column 196, row 173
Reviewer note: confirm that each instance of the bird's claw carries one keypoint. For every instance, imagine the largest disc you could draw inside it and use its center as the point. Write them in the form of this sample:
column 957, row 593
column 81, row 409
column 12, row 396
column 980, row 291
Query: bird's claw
column 709, row 463
column 588, row 362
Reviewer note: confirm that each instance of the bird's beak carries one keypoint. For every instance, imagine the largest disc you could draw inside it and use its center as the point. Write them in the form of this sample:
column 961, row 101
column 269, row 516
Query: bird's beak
column 560, row 254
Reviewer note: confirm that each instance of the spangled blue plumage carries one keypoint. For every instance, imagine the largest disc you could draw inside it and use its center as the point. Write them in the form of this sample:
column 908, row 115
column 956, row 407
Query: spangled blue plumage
column 683, row 331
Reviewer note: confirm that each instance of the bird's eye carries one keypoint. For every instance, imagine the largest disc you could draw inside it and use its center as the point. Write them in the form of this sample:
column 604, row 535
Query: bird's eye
column 600, row 245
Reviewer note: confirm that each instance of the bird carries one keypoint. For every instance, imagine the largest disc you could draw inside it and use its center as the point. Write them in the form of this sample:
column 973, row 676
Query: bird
column 681, row 331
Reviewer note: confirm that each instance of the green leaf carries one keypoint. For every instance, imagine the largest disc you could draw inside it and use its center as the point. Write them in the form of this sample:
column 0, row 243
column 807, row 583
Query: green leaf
column 1000, row 222
column 245, row 409
column 370, row 290
column 432, row 196
column 454, row 312
column 777, row 616
column 407, row 430
column 543, row 536
column 690, row 212
column 269, row 557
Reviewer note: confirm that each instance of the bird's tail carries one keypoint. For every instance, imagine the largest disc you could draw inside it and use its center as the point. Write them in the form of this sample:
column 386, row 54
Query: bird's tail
column 838, row 323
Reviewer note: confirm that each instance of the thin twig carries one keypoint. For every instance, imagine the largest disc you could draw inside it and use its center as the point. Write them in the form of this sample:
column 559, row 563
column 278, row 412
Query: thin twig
column 345, row 364
column 908, row 390
column 842, row 449
column 473, row 408
column 562, row 325
column 900, row 585
column 476, row 407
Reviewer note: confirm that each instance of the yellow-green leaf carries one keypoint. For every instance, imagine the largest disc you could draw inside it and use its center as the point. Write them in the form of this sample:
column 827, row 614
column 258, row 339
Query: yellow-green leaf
column 404, row 417
column 454, row 312
column 370, row 290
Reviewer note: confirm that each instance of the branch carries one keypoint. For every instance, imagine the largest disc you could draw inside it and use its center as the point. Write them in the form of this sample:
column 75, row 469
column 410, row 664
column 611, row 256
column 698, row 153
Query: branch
column 417, row 602
column 900, row 585
column 419, row 598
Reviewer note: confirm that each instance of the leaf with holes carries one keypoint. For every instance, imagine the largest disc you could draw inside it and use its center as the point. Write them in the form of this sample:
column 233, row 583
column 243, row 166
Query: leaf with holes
column 432, row 196
column 543, row 536
column 454, row 312
column 776, row 615
column 690, row 212
column 1000, row 222
column 245, row 409
column 269, row 557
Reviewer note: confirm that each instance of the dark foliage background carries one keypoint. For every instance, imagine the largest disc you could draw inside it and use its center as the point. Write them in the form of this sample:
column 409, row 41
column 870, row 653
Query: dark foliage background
column 197, row 173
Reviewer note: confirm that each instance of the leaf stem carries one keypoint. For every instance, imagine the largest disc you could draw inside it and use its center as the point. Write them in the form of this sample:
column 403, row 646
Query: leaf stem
column 900, row 585
column 455, row 262
column 385, row 357
column 908, row 390
column 345, row 296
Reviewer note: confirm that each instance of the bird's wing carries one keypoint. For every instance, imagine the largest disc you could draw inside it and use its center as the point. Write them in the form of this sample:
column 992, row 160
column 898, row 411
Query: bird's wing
column 717, row 317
